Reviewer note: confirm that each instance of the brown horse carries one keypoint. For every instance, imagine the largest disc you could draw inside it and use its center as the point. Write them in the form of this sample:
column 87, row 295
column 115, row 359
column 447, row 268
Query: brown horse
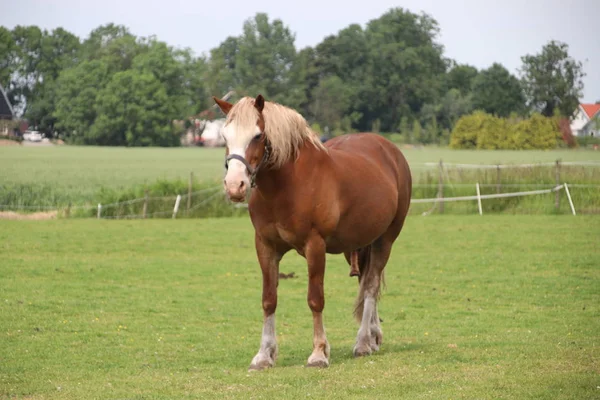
column 349, row 196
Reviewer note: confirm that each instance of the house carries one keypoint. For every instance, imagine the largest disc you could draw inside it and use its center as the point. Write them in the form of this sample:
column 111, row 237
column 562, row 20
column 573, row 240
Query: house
column 586, row 120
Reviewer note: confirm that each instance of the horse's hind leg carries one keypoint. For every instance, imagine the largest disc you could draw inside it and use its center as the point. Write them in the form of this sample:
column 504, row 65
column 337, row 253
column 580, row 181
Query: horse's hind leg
column 370, row 336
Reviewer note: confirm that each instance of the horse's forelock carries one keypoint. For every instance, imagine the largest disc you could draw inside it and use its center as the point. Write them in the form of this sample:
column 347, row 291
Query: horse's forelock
column 285, row 128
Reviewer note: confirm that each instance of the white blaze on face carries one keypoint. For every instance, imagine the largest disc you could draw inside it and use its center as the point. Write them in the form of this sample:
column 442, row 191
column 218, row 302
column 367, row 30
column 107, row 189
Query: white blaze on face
column 237, row 141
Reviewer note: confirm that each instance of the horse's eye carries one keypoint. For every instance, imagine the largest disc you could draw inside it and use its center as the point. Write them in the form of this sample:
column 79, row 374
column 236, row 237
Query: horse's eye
column 257, row 137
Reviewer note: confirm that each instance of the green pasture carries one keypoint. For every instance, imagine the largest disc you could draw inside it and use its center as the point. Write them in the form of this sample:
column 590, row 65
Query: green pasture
column 492, row 307
column 56, row 176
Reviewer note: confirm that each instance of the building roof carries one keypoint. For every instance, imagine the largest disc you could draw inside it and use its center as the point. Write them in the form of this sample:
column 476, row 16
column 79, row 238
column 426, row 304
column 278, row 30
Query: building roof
column 6, row 110
column 590, row 109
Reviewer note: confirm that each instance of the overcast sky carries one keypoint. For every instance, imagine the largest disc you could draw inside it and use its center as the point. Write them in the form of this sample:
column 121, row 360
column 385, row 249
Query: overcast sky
column 476, row 32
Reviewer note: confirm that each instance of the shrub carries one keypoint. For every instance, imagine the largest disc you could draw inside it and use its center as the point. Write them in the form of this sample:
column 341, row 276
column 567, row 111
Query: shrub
column 484, row 131
column 467, row 128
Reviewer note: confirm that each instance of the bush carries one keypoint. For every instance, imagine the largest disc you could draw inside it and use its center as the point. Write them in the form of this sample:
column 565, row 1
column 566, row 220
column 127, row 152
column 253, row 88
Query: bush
column 537, row 132
column 484, row 131
column 467, row 128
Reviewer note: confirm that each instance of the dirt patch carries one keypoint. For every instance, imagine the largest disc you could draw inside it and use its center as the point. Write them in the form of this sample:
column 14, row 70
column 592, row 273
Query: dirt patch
column 6, row 142
column 38, row 216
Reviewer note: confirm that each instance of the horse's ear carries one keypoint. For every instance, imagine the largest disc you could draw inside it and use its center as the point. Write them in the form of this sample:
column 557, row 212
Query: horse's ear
column 223, row 105
column 259, row 102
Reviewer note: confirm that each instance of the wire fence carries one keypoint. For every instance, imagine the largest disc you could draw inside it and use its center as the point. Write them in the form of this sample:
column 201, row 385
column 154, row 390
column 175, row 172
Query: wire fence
column 491, row 188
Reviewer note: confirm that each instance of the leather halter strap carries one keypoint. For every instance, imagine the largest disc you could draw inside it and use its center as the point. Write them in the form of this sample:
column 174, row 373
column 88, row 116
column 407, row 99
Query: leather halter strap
column 251, row 171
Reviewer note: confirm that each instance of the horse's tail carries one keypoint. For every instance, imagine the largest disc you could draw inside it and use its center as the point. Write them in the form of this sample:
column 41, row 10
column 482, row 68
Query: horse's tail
column 365, row 279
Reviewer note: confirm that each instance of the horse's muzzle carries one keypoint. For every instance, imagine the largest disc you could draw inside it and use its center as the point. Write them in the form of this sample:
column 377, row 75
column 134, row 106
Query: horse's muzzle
column 236, row 190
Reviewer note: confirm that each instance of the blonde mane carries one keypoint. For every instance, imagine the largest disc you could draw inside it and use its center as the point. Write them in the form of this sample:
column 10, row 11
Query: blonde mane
column 285, row 128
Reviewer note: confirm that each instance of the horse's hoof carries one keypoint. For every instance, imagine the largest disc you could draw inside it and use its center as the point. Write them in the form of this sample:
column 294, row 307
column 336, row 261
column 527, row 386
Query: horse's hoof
column 318, row 364
column 362, row 351
column 261, row 365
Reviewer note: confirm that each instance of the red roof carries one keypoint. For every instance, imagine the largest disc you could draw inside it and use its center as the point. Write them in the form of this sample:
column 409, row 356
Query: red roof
column 591, row 109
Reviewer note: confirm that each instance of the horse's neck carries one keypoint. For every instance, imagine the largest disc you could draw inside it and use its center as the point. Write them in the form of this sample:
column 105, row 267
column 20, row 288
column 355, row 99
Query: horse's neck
column 272, row 181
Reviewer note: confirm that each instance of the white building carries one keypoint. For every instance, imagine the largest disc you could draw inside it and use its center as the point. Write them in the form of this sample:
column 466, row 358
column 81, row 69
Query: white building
column 586, row 120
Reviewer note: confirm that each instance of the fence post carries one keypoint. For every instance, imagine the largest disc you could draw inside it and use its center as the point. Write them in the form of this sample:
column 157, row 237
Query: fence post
column 68, row 211
column 441, row 187
column 99, row 210
column 498, row 179
column 479, row 200
column 557, row 195
column 190, row 183
column 176, row 208
column 570, row 200
column 145, row 209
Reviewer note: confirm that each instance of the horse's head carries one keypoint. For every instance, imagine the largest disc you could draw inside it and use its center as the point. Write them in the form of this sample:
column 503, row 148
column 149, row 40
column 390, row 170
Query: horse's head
column 246, row 147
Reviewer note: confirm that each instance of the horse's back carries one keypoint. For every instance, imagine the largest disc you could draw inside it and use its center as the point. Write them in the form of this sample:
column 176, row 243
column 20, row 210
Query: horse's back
column 369, row 149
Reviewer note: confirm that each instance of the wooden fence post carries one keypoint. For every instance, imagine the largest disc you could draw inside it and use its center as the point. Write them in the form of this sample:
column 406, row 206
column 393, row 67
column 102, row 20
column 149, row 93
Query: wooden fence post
column 99, row 210
column 190, row 183
column 68, row 211
column 557, row 195
column 441, row 187
column 498, row 184
column 145, row 209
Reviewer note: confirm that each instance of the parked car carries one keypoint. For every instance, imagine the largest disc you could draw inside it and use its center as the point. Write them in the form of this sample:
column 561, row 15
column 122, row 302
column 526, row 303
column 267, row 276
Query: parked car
column 33, row 136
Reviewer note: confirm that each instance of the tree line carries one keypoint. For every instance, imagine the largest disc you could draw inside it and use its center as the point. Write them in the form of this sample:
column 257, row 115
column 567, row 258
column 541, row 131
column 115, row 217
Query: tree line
column 114, row 88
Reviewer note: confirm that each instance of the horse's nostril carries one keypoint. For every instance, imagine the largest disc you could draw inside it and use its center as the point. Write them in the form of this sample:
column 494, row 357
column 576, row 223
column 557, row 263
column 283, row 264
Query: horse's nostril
column 242, row 185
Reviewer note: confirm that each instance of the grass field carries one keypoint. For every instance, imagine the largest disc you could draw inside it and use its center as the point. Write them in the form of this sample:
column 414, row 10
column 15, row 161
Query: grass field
column 56, row 176
column 86, row 169
column 475, row 307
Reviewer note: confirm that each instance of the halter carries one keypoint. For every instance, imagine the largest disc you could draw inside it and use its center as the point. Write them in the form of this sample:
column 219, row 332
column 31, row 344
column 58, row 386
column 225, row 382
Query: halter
column 251, row 171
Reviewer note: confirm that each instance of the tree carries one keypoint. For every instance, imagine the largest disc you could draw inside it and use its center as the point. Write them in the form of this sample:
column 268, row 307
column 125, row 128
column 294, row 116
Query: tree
column 403, row 69
column 460, row 77
column 221, row 70
column 264, row 60
column 330, row 102
column 8, row 51
column 75, row 105
column 552, row 80
column 496, row 91
column 133, row 110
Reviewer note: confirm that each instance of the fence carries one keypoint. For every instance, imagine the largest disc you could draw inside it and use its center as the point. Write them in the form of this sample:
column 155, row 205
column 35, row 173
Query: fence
column 427, row 190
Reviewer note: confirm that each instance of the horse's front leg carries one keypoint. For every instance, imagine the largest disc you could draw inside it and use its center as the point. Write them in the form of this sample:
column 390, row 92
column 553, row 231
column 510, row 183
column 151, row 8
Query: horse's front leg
column 315, row 256
column 269, row 258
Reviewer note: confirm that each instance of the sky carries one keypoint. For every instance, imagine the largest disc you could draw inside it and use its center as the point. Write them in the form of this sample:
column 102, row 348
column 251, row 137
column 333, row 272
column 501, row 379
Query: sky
column 475, row 32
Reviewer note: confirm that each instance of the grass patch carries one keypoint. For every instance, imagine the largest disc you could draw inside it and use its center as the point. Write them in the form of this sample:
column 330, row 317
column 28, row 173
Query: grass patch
column 49, row 177
column 492, row 307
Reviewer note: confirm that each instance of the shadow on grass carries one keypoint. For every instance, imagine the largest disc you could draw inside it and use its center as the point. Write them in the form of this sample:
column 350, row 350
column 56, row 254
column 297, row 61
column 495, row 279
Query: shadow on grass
column 342, row 354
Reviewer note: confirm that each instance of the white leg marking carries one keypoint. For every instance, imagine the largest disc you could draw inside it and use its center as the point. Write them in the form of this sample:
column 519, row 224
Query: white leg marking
column 268, row 346
column 363, row 340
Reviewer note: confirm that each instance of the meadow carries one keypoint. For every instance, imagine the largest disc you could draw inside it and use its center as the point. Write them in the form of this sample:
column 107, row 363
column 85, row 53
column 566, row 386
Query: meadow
column 56, row 176
column 475, row 307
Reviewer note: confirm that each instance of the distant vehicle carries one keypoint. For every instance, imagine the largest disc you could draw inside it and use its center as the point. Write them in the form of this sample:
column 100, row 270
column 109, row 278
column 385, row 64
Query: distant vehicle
column 33, row 136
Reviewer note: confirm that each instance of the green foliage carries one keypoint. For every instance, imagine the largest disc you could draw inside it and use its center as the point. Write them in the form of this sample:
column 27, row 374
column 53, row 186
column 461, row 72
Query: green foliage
column 536, row 132
column 416, row 135
column 134, row 110
column 497, row 92
column 552, row 79
column 484, row 131
column 331, row 100
column 361, row 78
column 460, row 77
column 376, row 126
column 316, row 128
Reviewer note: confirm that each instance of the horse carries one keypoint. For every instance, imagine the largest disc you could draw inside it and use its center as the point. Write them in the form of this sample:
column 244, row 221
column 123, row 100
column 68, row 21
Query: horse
column 350, row 195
